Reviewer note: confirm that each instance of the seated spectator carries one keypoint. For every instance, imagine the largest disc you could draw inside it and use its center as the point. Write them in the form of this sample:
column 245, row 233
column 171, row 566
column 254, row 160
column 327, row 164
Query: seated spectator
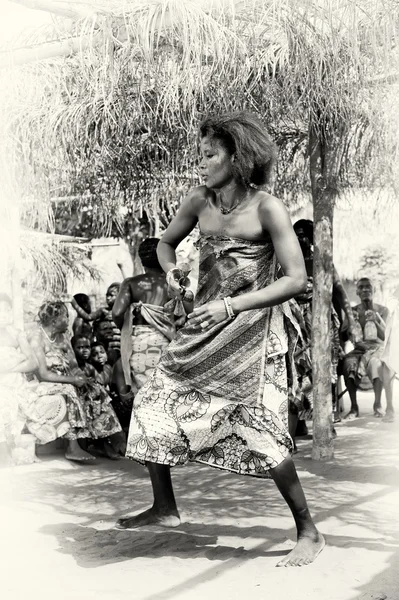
column 368, row 339
column 17, row 358
column 86, row 413
column 104, row 328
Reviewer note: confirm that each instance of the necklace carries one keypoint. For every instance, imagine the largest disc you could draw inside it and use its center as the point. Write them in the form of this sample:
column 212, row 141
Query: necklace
column 227, row 211
column 47, row 336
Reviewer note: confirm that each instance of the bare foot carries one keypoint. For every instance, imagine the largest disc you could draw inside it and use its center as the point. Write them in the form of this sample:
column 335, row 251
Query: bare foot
column 352, row 415
column 149, row 517
column 305, row 552
column 76, row 454
column 389, row 417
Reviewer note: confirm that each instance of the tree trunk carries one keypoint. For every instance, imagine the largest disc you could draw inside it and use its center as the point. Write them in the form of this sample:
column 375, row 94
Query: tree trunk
column 323, row 205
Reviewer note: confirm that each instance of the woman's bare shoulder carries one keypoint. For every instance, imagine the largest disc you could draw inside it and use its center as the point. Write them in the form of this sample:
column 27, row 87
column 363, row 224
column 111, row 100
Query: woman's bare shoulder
column 272, row 211
column 198, row 197
column 268, row 203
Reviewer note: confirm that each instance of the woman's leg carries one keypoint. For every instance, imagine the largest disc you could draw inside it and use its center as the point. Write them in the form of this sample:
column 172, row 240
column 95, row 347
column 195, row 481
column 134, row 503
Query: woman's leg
column 309, row 541
column 164, row 510
column 75, row 453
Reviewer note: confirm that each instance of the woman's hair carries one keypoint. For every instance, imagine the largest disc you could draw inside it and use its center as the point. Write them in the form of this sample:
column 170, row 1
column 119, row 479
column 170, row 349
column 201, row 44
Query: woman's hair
column 83, row 301
column 50, row 311
column 6, row 298
column 148, row 253
column 307, row 226
column 244, row 136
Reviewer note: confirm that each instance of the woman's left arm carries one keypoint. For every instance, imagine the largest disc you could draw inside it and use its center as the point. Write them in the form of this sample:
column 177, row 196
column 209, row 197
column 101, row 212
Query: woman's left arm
column 276, row 223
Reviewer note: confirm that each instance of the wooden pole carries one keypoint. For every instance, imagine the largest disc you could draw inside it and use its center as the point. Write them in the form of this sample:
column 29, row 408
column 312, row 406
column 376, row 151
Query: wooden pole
column 323, row 208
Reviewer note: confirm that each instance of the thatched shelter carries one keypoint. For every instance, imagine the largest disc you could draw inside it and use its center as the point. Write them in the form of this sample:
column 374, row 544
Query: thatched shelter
column 114, row 120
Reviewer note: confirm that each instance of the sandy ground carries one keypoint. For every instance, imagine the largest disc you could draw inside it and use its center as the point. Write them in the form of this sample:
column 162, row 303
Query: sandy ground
column 58, row 539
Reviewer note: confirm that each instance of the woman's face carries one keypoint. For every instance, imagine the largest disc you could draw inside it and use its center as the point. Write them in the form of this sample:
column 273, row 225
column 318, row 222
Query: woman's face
column 99, row 355
column 82, row 349
column 216, row 164
column 5, row 314
column 60, row 323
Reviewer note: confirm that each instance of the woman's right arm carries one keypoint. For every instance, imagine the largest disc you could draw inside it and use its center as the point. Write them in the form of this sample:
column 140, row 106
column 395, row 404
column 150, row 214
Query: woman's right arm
column 44, row 373
column 179, row 228
column 123, row 300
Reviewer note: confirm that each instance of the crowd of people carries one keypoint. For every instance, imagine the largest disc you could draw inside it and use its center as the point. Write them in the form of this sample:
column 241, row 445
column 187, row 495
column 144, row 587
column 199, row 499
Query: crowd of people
column 56, row 383
column 225, row 380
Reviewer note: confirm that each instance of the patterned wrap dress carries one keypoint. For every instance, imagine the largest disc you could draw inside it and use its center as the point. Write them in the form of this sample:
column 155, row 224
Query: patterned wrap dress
column 219, row 396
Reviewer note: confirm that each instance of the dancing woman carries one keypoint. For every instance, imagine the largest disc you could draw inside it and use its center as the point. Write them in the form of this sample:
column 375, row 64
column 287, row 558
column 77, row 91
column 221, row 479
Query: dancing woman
column 219, row 393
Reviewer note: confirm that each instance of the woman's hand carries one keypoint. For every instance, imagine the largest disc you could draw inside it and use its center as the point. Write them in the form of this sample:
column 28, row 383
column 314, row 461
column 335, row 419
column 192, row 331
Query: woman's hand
column 80, row 380
column 178, row 283
column 207, row 315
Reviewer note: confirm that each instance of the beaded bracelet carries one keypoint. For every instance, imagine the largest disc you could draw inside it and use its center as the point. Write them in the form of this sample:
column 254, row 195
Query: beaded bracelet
column 229, row 308
column 171, row 274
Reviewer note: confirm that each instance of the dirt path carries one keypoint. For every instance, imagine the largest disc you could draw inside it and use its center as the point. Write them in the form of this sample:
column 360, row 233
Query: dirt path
column 59, row 542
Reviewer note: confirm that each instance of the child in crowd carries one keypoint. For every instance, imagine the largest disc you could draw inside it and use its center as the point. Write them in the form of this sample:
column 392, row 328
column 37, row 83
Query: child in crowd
column 99, row 360
column 110, row 379
column 82, row 348
column 105, row 329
